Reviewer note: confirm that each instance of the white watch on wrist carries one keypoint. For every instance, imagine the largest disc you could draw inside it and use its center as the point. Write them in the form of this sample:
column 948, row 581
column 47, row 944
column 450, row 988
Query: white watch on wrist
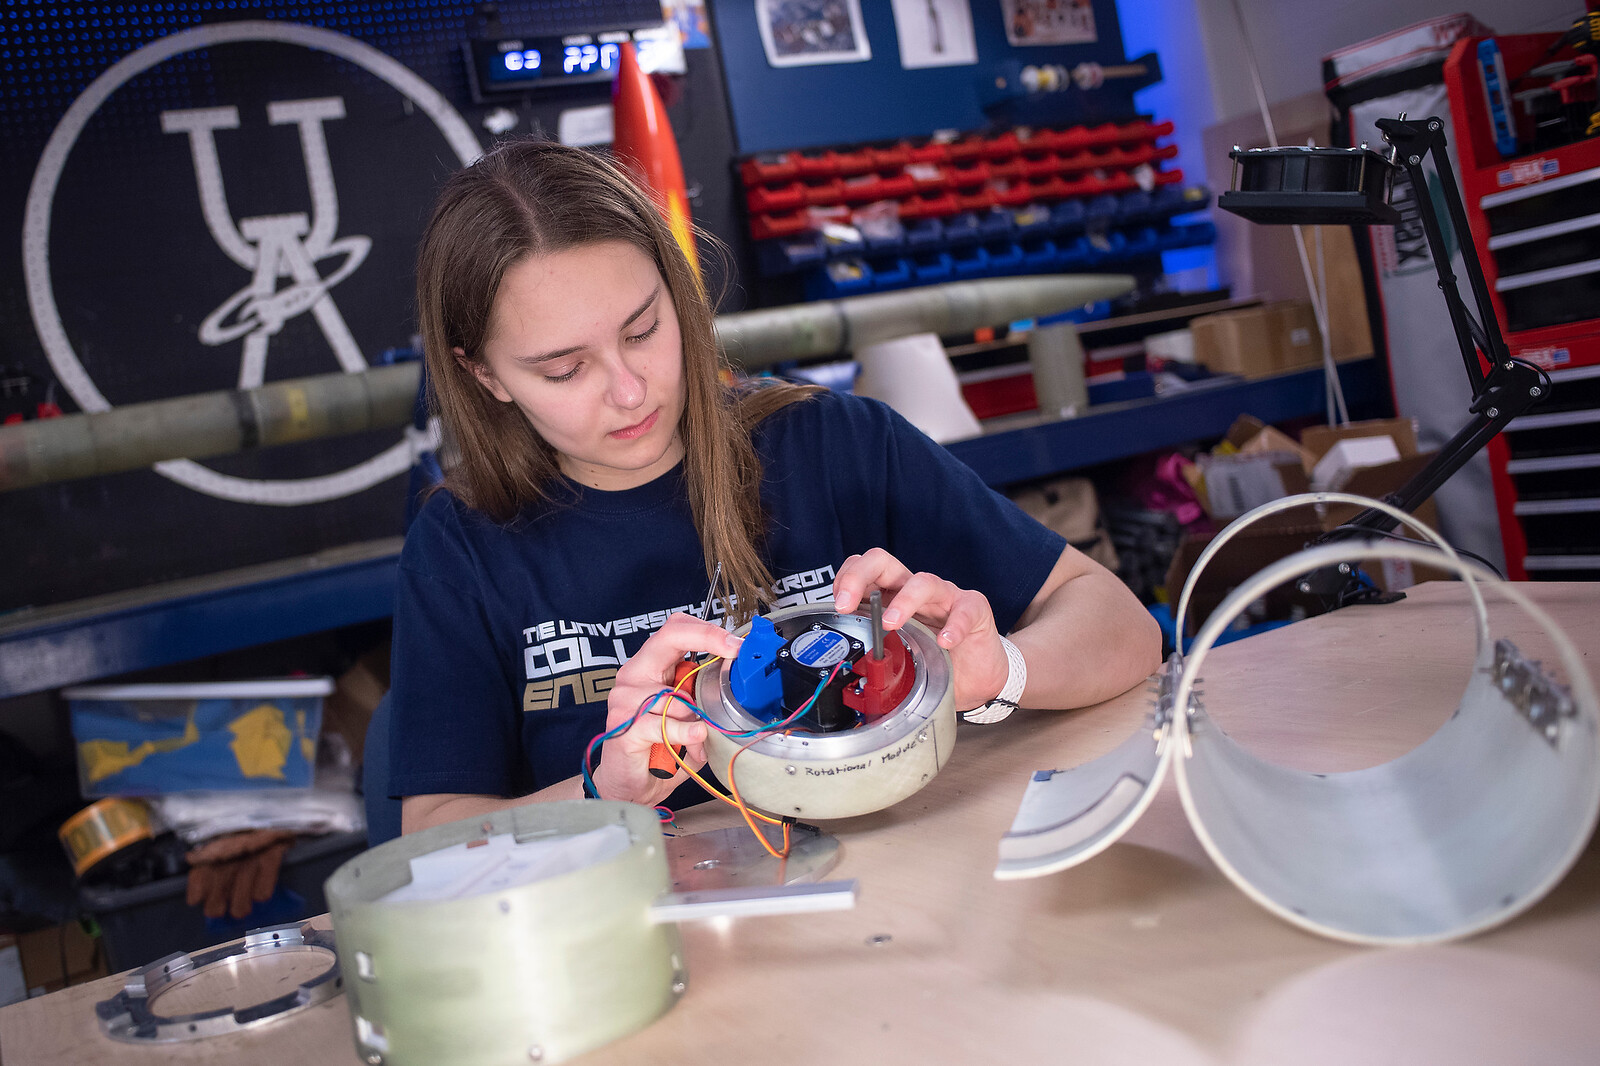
column 1010, row 693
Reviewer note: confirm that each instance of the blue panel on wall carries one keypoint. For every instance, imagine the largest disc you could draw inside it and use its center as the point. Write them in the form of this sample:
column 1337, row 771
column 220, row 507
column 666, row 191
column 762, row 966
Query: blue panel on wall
column 806, row 106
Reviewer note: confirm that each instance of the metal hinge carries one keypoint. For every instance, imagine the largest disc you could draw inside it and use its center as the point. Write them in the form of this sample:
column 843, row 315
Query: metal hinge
column 1536, row 695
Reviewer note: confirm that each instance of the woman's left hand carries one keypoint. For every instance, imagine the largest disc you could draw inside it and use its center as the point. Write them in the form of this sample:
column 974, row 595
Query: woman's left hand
column 961, row 618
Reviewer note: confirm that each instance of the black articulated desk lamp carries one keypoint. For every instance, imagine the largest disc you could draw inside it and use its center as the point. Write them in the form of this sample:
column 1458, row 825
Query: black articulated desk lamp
column 1352, row 186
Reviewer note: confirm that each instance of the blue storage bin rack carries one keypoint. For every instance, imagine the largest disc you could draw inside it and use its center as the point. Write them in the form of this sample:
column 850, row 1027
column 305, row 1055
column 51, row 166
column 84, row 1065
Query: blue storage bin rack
column 1074, row 255
column 971, row 261
column 891, row 274
column 1067, row 218
column 925, row 233
column 787, row 256
column 932, row 267
column 823, row 285
column 961, row 229
column 995, row 224
column 885, row 245
column 1004, row 257
column 1102, row 209
column 1039, row 255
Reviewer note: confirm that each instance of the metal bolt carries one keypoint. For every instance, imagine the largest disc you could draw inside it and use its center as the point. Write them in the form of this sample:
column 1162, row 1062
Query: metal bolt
column 1510, row 365
column 1414, row 160
column 790, row 770
column 678, row 988
column 1493, row 412
column 1305, row 586
column 375, row 1059
column 922, row 736
column 1344, row 568
column 1435, row 126
column 708, row 864
column 1536, row 391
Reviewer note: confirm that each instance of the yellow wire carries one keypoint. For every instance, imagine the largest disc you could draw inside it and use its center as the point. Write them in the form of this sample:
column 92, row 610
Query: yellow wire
column 703, row 783
column 733, row 786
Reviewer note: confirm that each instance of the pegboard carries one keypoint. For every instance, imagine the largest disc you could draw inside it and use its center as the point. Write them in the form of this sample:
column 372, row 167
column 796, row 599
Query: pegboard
column 135, row 268
column 776, row 108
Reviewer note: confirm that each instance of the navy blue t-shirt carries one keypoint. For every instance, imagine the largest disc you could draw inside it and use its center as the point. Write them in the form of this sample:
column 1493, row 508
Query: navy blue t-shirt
column 507, row 637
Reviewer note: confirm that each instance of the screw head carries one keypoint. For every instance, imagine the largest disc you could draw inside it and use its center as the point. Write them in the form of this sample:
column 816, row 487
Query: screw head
column 1305, row 586
column 536, row 1053
column 1435, row 126
column 678, row 988
column 1493, row 412
column 1414, row 160
column 790, row 770
column 1344, row 568
column 1536, row 391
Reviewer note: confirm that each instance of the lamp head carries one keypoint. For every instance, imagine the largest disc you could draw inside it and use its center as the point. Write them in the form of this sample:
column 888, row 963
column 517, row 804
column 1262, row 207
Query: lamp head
column 1311, row 186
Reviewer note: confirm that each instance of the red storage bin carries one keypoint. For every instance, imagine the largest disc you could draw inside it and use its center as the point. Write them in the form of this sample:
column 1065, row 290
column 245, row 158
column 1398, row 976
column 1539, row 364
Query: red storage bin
column 1039, row 166
column 1070, row 140
column 1001, row 146
column 769, row 169
column 787, row 224
column 817, row 165
column 1011, row 194
column 858, row 162
column 765, row 199
column 924, row 175
column 967, row 176
column 892, row 158
column 1009, row 169
column 821, row 193
column 979, row 199
column 896, row 186
column 1075, row 162
column 928, row 205
column 1109, row 133
column 860, row 188
column 965, row 151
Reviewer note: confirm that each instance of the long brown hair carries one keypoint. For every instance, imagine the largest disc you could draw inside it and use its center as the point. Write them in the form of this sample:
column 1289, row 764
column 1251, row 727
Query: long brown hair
column 530, row 197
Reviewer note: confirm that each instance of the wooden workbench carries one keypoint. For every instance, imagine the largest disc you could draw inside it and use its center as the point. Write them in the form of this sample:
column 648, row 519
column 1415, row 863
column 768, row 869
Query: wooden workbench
column 1146, row 954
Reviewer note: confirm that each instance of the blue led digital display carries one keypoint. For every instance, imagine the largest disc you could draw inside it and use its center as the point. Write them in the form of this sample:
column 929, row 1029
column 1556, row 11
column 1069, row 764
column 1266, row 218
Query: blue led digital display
column 515, row 65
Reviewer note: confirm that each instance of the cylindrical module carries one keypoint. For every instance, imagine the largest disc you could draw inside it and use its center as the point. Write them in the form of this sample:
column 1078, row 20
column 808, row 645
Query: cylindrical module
column 840, row 774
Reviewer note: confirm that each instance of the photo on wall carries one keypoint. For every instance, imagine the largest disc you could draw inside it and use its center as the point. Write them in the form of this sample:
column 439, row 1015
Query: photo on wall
column 1049, row 22
column 934, row 33
column 801, row 32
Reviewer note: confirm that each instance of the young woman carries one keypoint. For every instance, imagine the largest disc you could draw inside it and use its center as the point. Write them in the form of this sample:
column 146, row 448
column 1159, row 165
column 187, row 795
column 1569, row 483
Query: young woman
column 604, row 473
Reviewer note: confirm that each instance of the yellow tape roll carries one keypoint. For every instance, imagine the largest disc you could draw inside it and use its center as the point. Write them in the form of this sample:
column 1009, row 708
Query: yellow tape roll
column 102, row 829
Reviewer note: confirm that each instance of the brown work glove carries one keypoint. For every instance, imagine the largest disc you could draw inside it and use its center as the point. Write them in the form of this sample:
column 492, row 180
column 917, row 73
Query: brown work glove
column 234, row 872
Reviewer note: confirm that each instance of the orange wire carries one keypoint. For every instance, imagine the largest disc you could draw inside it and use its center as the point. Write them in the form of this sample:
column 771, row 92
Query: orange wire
column 744, row 810
column 733, row 786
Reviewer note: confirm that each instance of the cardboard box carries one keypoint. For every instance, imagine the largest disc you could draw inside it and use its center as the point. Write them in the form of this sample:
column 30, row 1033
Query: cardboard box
column 1250, row 443
column 59, row 956
column 1258, row 341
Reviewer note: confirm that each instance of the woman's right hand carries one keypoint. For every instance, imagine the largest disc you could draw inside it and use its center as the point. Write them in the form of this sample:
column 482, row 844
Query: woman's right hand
column 624, row 770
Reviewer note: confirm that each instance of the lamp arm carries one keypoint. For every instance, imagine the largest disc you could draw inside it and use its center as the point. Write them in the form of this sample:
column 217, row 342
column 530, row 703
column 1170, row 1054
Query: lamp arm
column 1413, row 142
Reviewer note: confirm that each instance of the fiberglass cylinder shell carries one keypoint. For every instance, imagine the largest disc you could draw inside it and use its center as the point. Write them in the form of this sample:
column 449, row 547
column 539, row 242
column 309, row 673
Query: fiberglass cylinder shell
column 840, row 774
column 537, row 972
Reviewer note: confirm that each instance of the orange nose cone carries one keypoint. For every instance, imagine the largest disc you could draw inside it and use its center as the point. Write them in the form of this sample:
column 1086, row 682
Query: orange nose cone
column 644, row 143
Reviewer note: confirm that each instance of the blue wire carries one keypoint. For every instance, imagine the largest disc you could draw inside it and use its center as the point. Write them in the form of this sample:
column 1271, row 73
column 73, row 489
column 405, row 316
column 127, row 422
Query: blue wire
column 672, row 693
